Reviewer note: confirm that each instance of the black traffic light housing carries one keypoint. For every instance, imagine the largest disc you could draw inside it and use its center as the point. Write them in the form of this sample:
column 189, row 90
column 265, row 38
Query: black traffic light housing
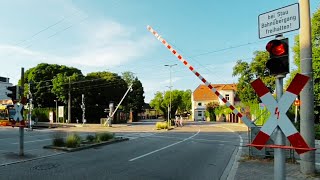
column 13, row 94
column 279, row 56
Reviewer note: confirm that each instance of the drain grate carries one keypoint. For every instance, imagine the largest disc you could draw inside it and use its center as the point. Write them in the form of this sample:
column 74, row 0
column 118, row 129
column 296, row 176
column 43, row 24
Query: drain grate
column 43, row 167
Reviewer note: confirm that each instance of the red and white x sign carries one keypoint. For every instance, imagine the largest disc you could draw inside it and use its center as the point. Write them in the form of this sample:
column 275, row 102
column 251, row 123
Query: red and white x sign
column 278, row 115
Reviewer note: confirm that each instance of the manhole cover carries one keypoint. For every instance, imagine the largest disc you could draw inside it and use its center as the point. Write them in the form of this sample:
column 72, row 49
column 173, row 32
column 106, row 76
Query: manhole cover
column 48, row 166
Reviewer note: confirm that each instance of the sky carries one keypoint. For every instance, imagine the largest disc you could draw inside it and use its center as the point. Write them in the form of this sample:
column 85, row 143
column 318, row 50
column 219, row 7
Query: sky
column 111, row 35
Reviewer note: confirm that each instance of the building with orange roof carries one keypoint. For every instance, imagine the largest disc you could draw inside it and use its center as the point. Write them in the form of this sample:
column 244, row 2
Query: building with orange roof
column 202, row 95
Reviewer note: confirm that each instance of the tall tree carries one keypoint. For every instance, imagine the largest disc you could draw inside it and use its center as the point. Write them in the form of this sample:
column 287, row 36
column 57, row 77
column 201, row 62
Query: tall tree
column 135, row 98
column 41, row 77
column 101, row 88
column 248, row 72
column 315, row 25
column 180, row 102
column 158, row 103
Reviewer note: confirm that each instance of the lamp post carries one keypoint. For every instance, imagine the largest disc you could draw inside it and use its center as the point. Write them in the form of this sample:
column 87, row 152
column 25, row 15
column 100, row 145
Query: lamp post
column 56, row 110
column 169, row 111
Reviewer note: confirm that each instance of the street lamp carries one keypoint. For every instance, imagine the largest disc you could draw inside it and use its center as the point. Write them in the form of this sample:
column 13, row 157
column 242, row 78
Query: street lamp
column 56, row 110
column 169, row 111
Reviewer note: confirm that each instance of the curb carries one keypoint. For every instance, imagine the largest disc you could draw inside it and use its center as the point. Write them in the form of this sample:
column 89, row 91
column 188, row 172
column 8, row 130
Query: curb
column 86, row 146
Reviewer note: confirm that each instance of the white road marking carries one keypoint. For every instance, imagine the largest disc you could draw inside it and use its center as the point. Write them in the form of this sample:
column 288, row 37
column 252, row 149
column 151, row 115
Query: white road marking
column 235, row 164
column 33, row 141
column 32, row 159
column 152, row 152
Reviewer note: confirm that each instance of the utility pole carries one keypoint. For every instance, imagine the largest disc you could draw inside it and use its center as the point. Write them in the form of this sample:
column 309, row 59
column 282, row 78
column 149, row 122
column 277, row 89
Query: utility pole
column 69, row 102
column 307, row 164
column 83, row 110
column 56, row 100
column 169, row 109
column 21, row 127
column 30, row 106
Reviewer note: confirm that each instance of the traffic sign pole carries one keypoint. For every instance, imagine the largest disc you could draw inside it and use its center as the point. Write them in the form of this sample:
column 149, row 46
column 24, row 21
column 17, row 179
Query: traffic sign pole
column 279, row 154
column 21, row 128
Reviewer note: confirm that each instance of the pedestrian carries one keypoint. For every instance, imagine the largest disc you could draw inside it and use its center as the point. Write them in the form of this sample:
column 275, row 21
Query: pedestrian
column 181, row 119
column 176, row 122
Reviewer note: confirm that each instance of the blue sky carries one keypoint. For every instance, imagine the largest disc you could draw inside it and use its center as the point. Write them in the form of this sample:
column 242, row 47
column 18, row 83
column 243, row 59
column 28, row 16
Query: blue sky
column 111, row 35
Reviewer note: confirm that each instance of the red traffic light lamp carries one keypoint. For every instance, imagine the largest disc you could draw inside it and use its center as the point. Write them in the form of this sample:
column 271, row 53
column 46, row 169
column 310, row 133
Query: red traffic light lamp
column 279, row 56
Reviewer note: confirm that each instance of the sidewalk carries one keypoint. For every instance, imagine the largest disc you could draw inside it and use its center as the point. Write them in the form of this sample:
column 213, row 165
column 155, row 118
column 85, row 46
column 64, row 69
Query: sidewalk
column 263, row 169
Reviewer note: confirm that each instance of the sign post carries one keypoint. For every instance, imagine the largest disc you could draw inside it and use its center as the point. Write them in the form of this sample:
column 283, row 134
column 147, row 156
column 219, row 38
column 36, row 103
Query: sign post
column 279, row 121
column 61, row 112
column 279, row 21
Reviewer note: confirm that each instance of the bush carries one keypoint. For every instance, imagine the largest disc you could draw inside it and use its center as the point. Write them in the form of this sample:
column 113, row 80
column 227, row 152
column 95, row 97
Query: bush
column 161, row 125
column 73, row 140
column 90, row 138
column 104, row 136
column 58, row 140
column 42, row 114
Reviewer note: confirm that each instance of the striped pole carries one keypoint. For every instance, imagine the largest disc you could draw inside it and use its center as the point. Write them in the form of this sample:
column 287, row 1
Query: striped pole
column 249, row 123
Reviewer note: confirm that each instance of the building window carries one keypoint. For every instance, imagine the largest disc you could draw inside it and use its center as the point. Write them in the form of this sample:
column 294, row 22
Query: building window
column 199, row 113
column 227, row 97
column 199, row 104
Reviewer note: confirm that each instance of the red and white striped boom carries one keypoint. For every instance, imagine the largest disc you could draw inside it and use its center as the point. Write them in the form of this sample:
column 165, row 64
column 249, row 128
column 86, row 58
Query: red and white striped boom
column 249, row 123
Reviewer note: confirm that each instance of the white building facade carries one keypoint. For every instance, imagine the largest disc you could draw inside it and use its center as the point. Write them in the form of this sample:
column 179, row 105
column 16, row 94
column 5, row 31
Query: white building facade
column 202, row 95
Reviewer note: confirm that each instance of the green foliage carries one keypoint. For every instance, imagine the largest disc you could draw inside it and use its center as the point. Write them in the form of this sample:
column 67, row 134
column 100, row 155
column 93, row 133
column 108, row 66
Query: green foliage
column 41, row 77
column 73, row 140
column 100, row 89
column 104, row 136
column 210, row 110
column 42, row 114
column 58, row 140
column 135, row 98
column 248, row 72
column 90, row 138
column 180, row 101
column 162, row 125
column 259, row 115
column 315, row 25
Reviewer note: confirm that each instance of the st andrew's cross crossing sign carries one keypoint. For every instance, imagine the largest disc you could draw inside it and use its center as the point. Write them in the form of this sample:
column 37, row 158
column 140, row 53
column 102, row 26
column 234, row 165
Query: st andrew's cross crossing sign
column 18, row 115
column 278, row 115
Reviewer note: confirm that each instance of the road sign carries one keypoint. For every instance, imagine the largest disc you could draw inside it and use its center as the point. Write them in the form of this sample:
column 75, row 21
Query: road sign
column 18, row 116
column 61, row 109
column 279, row 21
column 278, row 115
column 297, row 102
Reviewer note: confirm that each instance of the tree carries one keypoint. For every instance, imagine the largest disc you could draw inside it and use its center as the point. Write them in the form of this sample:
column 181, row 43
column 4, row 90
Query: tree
column 315, row 25
column 101, row 88
column 248, row 72
column 41, row 80
column 158, row 103
column 135, row 98
column 180, row 102
column 210, row 110
column 186, row 100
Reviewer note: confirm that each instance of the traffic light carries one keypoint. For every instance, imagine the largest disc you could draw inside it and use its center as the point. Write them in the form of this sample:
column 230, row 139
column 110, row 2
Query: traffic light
column 279, row 56
column 13, row 94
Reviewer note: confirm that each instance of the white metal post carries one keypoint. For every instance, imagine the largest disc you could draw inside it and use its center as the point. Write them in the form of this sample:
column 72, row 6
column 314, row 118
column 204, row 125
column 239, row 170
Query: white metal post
column 170, row 106
column 280, row 139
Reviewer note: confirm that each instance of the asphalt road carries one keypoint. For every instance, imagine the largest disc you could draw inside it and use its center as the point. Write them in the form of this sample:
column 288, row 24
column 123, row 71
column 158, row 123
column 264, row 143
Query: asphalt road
column 195, row 151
